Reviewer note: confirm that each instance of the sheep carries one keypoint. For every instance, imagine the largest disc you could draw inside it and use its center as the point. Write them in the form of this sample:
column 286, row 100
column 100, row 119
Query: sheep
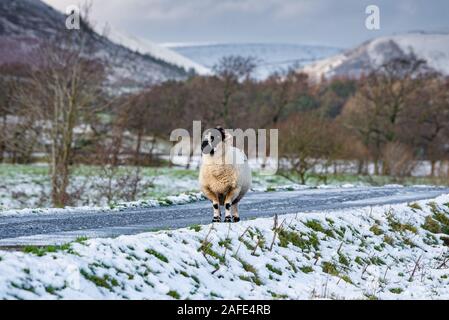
column 225, row 175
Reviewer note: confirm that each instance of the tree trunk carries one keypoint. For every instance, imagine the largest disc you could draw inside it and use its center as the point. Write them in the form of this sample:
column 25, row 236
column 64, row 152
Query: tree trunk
column 138, row 146
column 376, row 167
column 360, row 166
column 64, row 117
column 432, row 168
column 2, row 142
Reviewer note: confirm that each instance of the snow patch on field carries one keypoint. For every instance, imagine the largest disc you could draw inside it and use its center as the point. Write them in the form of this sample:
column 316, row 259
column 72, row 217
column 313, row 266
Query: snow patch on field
column 383, row 252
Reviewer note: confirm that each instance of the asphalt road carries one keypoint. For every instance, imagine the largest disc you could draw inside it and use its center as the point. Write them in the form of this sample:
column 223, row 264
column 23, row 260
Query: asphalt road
column 61, row 228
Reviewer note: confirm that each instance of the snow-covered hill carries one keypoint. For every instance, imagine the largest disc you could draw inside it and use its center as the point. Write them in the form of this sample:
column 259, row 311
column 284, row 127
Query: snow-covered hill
column 26, row 24
column 271, row 57
column 144, row 46
column 432, row 47
column 381, row 252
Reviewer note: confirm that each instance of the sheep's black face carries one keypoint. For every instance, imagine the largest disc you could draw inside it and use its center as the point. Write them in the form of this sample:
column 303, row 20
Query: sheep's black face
column 211, row 140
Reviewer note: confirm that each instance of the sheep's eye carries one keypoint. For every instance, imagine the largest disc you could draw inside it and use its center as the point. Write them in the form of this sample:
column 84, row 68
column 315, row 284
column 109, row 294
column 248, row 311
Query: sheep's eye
column 212, row 138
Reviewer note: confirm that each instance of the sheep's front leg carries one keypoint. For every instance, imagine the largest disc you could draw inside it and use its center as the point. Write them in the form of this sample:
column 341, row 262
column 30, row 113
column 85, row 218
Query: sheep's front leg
column 228, row 204
column 215, row 204
column 217, row 214
column 235, row 212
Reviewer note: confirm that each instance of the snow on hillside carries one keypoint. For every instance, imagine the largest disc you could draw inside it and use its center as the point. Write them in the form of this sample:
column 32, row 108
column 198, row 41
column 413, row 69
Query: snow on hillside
column 434, row 48
column 144, row 46
column 271, row 57
column 384, row 252
column 27, row 24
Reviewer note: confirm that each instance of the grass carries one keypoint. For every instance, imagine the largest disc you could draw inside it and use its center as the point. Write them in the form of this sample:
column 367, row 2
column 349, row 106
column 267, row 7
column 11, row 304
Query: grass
column 225, row 243
column 41, row 251
column 245, row 278
column 343, row 259
column 158, row 255
column 315, row 225
column 286, row 237
column 105, row 282
column 415, row 206
column 330, row 268
column 25, row 287
column 359, row 261
column 377, row 261
column 275, row 295
column 388, row 240
column 174, row 294
column 346, row 278
column 376, row 230
column 396, row 290
column 438, row 222
column 50, row 289
column 81, row 240
column 251, row 269
column 206, row 248
column 292, row 265
column 195, row 227
column 306, row 269
column 431, row 225
column 273, row 269
column 398, row 226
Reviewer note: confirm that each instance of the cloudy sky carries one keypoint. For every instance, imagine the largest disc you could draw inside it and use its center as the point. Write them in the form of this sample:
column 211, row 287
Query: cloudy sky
column 338, row 23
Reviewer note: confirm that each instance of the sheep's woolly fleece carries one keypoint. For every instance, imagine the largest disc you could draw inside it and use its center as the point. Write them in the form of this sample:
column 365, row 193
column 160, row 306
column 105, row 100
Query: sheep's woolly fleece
column 384, row 252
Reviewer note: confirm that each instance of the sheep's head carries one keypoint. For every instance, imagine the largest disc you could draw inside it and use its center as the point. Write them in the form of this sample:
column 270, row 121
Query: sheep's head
column 212, row 139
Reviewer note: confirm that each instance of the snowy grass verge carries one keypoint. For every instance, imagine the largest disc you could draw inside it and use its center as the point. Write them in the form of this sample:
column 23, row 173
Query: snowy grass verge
column 182, row 198
column 383, row 252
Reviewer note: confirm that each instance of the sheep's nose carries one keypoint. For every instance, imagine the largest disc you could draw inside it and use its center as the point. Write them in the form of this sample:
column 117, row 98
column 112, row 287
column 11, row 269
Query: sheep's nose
column 204, row 144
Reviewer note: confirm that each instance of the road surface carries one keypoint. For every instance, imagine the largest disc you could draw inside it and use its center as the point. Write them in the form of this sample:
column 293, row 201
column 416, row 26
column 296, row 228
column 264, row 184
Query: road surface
column 62, row 228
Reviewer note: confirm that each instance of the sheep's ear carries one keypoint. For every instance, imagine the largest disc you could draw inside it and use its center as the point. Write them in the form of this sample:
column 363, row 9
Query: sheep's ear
column 222, row 132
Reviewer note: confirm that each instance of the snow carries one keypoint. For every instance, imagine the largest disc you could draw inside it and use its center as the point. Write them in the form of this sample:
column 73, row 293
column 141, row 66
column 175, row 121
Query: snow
column 145, row 46
column 25, row 24
column 324, row 67
column 270, row 57
column 182, row 198
column 32, row 190
column 432, row 47
column 317, row 255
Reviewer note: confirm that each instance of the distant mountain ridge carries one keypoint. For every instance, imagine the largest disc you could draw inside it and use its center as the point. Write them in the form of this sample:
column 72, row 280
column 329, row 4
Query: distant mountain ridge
column 271, row 57
column 431, row 47
column 25, row 24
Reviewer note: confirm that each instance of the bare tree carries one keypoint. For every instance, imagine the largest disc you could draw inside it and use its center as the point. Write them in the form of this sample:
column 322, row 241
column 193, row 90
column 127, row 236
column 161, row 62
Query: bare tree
column 63, row 92
column 378, row 110
column 428, row 120
column 232, row 70
column 307, row 142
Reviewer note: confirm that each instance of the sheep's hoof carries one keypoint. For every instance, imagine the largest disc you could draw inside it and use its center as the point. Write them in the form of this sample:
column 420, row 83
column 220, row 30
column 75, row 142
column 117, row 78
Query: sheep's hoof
column 236, row 219
column 227, row 219
column 216, row 219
